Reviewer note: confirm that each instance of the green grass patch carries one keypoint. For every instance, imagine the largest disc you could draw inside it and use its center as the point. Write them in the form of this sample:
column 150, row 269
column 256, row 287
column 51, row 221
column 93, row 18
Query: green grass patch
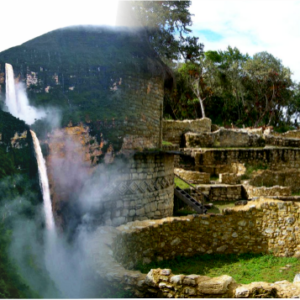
column 214, row 177
column 165, row 143
column 181, row 184
column 244, row 268
column 252, row 168
column 220, row 205
column 184, row 212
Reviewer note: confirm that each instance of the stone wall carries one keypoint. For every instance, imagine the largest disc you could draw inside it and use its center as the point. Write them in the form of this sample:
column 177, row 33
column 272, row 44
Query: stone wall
column 229, row 178
column 218, row 161
column 185, row 162
column 145, row 190
column 282, row 141
column 259, row 227
column 136, row 187
column 220, row 192
column 173, row 131
column 193, row 176
column 288, row 178
column 294, row 134
column 256, row 223
column 223, row 138
column 263, row 191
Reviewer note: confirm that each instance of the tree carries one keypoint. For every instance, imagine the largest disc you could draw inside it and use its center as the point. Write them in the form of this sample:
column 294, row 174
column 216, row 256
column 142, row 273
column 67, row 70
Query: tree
column 268, row 84
column 166, row 26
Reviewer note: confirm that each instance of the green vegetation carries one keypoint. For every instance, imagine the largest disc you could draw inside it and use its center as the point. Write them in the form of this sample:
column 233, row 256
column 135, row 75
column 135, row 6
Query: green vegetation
column 12, row 285
column 19, row 194
column 237, row 88
column 252, row 168
column 220, row 205
column 181, row 184
column 244, row 268
column 165, row 143
column 166, row 26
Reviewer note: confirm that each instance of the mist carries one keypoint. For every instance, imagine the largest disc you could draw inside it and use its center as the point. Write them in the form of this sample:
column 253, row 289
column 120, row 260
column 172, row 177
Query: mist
column 23, row 110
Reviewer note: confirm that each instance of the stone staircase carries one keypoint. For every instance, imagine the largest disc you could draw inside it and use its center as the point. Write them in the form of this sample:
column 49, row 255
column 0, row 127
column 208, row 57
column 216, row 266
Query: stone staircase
column 189, row 200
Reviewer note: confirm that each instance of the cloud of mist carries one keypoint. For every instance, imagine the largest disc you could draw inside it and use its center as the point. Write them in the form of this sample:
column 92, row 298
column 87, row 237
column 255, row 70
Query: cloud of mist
column 50, row 264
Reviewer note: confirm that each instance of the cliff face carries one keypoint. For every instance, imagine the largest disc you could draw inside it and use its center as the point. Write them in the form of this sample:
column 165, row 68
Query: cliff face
column 109, row 78
column 17, row 160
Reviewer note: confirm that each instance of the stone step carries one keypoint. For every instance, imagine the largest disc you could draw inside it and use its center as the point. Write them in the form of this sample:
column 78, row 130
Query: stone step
column 189, row 200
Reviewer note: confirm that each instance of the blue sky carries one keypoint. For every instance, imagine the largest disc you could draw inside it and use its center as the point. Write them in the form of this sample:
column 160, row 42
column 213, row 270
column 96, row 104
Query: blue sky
column 250, row 25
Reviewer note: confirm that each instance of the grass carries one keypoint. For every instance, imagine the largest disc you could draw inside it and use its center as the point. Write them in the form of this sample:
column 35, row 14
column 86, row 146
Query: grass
column 244, row 268
column 214, row 177
column 181, row 184
column 220, row 205
column 165, row 143
column 250, row 169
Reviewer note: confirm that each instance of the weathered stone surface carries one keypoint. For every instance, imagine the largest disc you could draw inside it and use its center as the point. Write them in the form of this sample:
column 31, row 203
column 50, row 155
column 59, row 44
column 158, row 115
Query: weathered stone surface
column 266, row 191
column 216, row 161
column 215, row 286
column 282, row 141
column 287, row 177
column 163, row 283
column 223, row 138
column 260, row 226
column 193, row 176
column 229, row 178
column 173, row 131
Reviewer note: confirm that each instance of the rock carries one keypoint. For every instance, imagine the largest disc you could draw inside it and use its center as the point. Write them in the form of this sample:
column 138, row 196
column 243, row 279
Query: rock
column 152, row 278
column 165, row 272
column 177, row 279
column 222, row 248
column 296, row 278
column 176, row 241
column 242, row 292
column 191, row 279
column 215, row 286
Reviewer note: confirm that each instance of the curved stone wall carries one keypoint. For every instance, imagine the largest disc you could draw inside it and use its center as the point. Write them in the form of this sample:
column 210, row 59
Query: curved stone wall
column 262, row 226
column 163, row 283
column 145, row 190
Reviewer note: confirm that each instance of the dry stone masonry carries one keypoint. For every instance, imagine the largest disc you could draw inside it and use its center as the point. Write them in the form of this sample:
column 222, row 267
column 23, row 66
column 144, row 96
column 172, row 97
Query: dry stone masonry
column 223, row 138
column 193, row 176
column 216, row 161
column 276, row 190
column 229, row 178
column 144, row 191
column 261, row 226
column 288, row 178
column 173, row 131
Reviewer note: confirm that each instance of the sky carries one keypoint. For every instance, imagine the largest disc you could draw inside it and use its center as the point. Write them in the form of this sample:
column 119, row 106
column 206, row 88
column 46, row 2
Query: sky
column 250, row 25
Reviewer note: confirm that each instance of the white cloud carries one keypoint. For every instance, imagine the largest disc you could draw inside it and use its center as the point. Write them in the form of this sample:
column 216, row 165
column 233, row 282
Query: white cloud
column 24, row 20
column 252, row 26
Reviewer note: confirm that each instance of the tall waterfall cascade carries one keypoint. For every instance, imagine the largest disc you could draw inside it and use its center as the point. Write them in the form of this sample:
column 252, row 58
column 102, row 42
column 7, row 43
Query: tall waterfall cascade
column 17, row 101
column 43, row 182
column 11, row 96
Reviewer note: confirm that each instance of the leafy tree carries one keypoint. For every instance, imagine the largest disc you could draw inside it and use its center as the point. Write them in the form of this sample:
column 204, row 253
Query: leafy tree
column 166, row 26
column 268, row 84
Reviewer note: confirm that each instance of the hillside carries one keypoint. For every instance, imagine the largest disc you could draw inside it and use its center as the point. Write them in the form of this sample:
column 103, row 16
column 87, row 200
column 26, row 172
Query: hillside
column 78, row 68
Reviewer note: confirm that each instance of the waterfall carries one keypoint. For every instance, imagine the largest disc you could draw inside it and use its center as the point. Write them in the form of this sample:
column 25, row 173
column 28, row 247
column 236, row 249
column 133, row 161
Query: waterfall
column 43, row 182
column 17, row 101
column 11, row 96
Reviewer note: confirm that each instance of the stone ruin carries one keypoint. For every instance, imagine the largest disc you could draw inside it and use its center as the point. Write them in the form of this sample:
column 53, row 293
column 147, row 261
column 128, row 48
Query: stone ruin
column 145, row 199
column 261, row 225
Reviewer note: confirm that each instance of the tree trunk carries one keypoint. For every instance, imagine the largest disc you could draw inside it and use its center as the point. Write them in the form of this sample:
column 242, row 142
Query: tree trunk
column 202, row 107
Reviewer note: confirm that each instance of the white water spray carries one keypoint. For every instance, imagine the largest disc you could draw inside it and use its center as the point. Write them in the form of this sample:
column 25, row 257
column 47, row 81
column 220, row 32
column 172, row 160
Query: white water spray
column 17, row 101
column 11, row 97
column 44, row 183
